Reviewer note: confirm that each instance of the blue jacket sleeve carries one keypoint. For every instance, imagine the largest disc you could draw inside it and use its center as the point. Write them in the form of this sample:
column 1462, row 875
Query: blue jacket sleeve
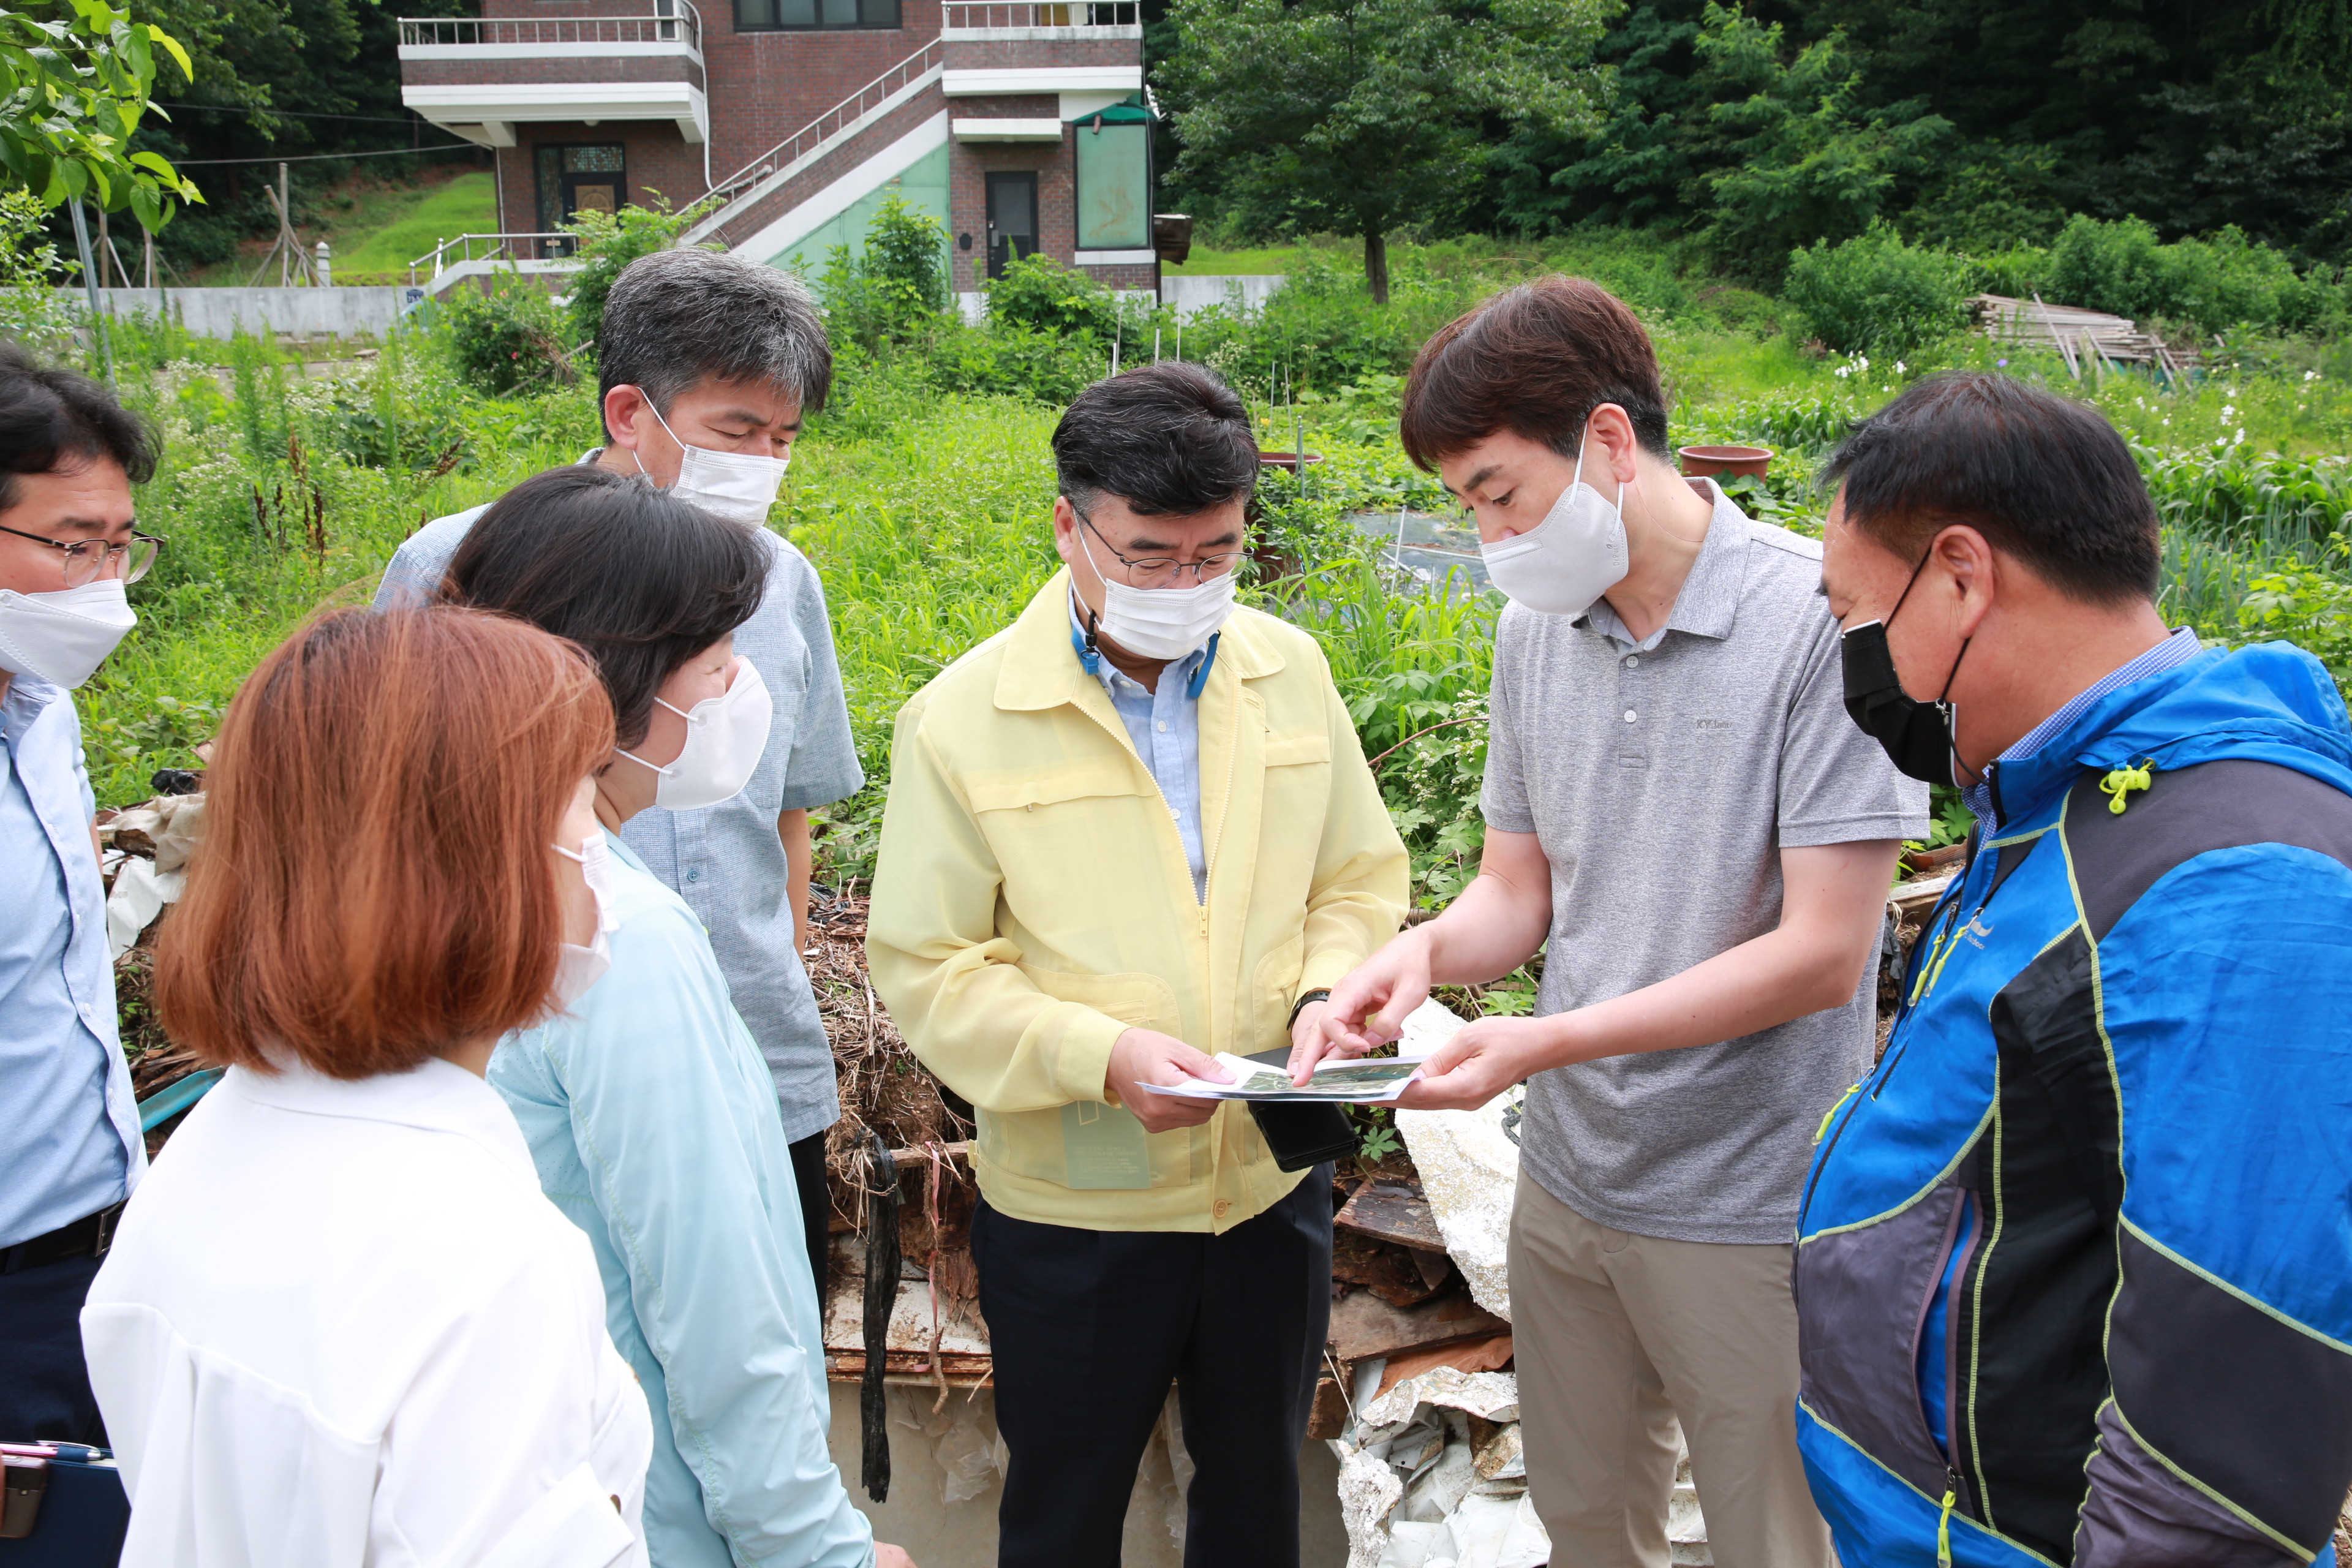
column 2227, row 1000
column 676, row 1125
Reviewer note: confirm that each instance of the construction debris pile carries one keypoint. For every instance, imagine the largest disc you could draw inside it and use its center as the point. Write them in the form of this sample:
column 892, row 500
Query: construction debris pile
column 2086, row 340
column 142, row 859
column 1417, row 1396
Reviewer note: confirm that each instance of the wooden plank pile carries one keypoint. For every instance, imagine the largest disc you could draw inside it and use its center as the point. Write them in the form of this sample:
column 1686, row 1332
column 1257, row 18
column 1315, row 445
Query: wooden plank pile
column 2089, row 341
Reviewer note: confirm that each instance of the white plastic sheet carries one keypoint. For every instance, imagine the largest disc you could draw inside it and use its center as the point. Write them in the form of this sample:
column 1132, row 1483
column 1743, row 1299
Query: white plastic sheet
column 143, row 887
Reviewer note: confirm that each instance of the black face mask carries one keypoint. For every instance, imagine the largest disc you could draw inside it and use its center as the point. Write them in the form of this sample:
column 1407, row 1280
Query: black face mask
column 1917, row 735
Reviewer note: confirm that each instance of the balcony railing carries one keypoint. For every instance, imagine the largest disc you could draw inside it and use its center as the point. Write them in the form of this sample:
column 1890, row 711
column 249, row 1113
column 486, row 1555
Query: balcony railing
column 991, row 16
column 669, row 22
column 509, row 247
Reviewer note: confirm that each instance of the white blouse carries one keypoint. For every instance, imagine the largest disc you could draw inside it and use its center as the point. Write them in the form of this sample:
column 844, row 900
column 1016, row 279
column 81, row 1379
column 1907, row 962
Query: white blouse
column 340, row 1327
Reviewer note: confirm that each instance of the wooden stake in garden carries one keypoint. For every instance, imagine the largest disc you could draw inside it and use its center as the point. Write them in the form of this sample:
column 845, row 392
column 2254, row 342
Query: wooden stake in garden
column 294, row 265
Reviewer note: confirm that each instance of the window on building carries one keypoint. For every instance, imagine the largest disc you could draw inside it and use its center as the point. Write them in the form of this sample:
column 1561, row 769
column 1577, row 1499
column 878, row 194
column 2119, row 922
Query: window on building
column 1114, row 180
column 796, row 15
column 576, row 179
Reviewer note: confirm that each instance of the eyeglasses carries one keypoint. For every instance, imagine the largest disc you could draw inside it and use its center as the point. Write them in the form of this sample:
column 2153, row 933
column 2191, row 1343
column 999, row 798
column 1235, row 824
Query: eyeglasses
column 1160, row 571
column 87, row 559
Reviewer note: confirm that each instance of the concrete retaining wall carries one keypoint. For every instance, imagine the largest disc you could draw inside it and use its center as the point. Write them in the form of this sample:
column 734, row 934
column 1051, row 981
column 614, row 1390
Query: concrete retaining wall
column 343, row 313
column 337, row 313
column 1188, row 293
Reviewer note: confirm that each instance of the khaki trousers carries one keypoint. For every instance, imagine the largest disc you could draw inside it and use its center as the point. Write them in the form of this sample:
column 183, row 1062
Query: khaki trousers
column 1616, row 1336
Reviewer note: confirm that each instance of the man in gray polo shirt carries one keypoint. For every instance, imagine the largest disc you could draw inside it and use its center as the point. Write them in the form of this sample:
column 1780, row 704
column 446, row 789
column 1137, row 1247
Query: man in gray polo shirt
column 1680, row 815
column 707, row 365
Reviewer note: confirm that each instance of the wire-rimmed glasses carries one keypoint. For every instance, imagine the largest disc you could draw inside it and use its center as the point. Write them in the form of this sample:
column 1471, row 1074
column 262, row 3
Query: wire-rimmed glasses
column 88, row 559
column 1160, row 571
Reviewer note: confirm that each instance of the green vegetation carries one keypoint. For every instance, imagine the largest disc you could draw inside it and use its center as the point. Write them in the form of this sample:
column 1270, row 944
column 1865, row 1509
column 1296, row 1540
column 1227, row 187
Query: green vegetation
column 73, row 88
column 921, row 492
column 1363, row 116
column 378, row 229
column 1759, row 128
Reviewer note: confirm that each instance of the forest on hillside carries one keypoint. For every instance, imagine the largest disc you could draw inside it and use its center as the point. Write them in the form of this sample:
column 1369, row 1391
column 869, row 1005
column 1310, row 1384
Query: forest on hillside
column 1979, row 125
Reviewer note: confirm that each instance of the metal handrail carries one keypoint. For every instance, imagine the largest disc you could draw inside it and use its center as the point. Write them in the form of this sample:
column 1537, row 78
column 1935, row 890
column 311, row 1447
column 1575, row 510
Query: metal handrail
column 669, row 22
column 973, row 16
column 830, row 122
column 501, row 249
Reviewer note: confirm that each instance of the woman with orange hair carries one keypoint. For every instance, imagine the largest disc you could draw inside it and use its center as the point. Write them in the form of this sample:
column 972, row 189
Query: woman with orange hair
column 339, row 1324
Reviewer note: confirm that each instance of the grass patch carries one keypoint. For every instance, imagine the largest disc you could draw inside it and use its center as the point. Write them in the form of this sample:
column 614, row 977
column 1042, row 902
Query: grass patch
column 390, row 227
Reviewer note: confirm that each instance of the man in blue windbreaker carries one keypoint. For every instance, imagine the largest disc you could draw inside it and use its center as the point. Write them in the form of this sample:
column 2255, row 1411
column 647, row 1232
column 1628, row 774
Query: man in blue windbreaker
column 2073, row 1269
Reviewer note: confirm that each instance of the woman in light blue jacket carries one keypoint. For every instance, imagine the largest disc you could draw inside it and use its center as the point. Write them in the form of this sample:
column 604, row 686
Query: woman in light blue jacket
column 649, row 1111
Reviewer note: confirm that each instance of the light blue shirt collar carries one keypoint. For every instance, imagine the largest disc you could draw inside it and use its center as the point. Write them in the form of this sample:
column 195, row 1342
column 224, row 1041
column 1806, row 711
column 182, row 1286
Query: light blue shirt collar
column 1164, row 726
column 2173, row 651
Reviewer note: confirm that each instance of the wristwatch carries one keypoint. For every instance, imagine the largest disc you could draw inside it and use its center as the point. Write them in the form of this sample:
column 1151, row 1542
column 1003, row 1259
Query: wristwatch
column 1300, row 1006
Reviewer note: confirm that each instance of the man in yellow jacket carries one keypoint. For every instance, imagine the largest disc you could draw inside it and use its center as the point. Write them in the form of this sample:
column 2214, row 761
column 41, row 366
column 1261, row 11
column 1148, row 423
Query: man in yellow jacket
column 1131, row 830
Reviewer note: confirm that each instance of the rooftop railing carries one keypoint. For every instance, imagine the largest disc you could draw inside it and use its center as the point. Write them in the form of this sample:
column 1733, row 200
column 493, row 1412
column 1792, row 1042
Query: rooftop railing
column 987, row 16
column 669, row 22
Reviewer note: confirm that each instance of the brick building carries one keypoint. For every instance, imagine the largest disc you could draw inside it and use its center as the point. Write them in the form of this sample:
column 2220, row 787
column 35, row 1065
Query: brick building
column 1022, row 127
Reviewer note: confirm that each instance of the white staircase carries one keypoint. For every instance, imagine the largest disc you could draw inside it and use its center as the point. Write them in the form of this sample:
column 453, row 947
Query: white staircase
column 816, row 173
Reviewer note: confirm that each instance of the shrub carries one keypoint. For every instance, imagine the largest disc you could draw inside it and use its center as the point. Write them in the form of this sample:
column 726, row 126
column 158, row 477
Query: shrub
column 2211, row 285
column 505, row 340
column 896, row 290
column 30, row 310
column 608, row 242
column 1042, row 295
column 1875, row 294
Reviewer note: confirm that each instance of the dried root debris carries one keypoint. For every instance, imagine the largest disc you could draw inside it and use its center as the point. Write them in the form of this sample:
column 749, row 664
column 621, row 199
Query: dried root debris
column 884, row 1090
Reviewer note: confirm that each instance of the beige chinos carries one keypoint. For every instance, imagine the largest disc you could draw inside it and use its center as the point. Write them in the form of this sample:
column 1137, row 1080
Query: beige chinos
column 1617, row 1335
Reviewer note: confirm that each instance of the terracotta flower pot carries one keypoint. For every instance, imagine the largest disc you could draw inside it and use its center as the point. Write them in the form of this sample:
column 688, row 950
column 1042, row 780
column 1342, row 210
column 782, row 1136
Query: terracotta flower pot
column 1710, row 462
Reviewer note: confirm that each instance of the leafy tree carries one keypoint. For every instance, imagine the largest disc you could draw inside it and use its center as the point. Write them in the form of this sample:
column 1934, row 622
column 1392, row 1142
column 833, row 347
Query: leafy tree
column 30, row 271
column 1801, row 159
column 2192, row 114
column 608, row 242
column 1364, row 116
column 72, row 91
column 1638, row 165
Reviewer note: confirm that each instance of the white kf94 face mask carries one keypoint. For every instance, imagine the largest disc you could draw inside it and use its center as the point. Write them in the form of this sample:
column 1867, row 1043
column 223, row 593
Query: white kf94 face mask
column 63, row 638
column 1577, row 553
column 1160, row 623
column 577, row 967
column 740, row 486
column 725, row 736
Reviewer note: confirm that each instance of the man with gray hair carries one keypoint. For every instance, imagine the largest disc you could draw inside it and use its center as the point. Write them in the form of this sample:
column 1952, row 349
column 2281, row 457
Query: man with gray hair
column 706, row 367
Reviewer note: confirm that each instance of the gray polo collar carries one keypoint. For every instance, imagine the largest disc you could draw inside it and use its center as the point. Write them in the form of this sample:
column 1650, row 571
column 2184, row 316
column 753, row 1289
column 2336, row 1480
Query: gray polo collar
column 1709, row 599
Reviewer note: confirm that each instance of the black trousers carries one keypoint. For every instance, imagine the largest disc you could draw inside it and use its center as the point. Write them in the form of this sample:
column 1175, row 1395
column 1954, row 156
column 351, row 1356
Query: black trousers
column 816, row 1205
column 1088, row 1328
column 43, row 1381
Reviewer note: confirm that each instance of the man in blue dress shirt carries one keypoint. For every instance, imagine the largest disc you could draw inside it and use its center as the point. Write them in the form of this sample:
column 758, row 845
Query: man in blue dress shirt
column 70, row 1144
column 707, row 365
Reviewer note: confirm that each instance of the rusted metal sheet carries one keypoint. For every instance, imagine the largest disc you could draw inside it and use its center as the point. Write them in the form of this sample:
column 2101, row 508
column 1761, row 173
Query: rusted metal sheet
column 1392, row 1211
column 1364, row 1325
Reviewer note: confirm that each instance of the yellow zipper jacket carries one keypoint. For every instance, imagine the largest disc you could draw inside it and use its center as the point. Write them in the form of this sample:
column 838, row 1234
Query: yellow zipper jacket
column 1033, row 903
